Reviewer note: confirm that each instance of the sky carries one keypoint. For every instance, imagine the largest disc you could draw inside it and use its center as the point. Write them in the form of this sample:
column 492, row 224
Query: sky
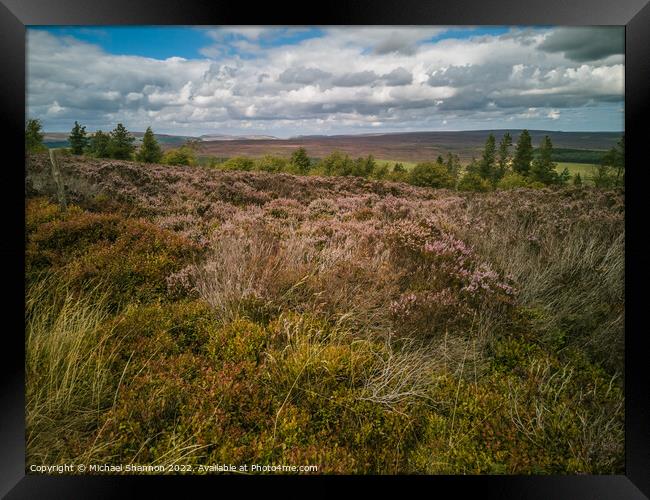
column 290, row 81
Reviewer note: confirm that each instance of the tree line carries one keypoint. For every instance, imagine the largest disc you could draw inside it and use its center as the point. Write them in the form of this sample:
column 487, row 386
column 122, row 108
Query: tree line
column 118, row 144
column 498, row 166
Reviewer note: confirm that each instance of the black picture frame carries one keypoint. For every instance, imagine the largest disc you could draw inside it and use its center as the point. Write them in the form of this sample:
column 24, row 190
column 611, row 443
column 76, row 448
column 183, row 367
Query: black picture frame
column 16, row 14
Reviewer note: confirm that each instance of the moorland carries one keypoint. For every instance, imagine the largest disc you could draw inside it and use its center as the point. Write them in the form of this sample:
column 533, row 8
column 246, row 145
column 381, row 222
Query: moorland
column 292, row 311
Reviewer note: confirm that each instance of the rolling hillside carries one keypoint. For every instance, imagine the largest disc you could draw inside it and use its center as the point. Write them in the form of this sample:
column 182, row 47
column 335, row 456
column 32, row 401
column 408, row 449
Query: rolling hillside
column 579, row 147
column 412, row 146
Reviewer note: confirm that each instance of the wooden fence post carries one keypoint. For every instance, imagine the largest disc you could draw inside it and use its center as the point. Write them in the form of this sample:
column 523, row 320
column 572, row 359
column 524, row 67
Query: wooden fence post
column 58, row 180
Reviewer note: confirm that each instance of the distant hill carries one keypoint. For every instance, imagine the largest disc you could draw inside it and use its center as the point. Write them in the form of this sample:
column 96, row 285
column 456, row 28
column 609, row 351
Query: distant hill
column 586, row 147
column 223, row 137
column 579, row 147
column 60, row 139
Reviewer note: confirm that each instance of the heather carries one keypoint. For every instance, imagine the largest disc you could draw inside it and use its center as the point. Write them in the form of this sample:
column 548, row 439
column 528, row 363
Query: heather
column 187, row 315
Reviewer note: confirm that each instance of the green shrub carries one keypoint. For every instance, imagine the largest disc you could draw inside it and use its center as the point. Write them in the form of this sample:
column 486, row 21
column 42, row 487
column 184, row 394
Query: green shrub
column 337, row 164
column 272, row 164
column 39, row 211
column 180, row 156
column 513, row 180
column 56, row 237
column 239, row 340
column 187, row 325
column 398, row 173
column 238, row 163
column 137, row 264
column 430, row 174
column 524, row 418
column 473, row 182
column 132, row 257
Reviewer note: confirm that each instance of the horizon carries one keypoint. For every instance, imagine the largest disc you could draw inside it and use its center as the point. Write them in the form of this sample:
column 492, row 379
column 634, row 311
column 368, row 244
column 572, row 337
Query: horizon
column 487, row 130
column 289, row 82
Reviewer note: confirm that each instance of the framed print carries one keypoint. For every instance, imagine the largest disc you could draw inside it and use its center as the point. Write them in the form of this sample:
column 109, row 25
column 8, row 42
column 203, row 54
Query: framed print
column 385, row 243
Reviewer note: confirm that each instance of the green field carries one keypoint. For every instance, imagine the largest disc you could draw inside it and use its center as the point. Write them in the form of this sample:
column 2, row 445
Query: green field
column 586, row 170
column 408, row 165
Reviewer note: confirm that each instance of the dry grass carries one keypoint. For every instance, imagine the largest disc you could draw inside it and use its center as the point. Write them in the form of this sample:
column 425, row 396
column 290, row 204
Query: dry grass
column 70, row 383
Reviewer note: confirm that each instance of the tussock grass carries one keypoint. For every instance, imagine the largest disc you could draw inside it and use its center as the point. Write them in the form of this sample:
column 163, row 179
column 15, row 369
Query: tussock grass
column 69, row 378
column 573, row 280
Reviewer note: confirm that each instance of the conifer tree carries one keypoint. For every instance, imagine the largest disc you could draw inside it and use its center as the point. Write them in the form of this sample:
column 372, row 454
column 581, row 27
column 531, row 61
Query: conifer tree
column 564, row 176
column 99, row 145
column 504, row 156
column 453, row 165
column 150, row 151
column 577, row 180
column 121, row 143
column 33, row 136
column 300, row 160
column 523, row 154
column 614, row 162
column 486, row 168
column 77, row 139
column 543, row 168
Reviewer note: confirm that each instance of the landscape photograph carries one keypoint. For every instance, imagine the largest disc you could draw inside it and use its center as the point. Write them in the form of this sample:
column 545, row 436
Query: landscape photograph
column 325, row 250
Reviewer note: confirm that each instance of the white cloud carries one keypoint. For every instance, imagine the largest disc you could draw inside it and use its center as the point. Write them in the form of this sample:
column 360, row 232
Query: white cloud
column 554, row 114
column 55, row 109
column 346, row 79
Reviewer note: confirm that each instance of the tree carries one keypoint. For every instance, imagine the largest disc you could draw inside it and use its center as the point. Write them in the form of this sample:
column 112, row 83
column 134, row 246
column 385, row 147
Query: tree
column 121, row 145
column 369, row 165
column 473, row 167
column 564, row 176
column 238, row 163
column 381, row 172
column 185, row 156
column 337, row 164
column 98, row 145
column 300, row 160
column 620, row 161
column 77, row 139
column 399, row 173
column 33, row 136
column 430, row 174
column 503, row 157
column 453, row 165
column 272, row 164
column 523, row 154
column 613, row 164
column 543, row 168
column 486, row 166
column 577, row 180
column 150, row 151
column 363, row 167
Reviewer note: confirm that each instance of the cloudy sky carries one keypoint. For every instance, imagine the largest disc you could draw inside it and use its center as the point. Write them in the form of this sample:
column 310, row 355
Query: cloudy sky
column 326, row 80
